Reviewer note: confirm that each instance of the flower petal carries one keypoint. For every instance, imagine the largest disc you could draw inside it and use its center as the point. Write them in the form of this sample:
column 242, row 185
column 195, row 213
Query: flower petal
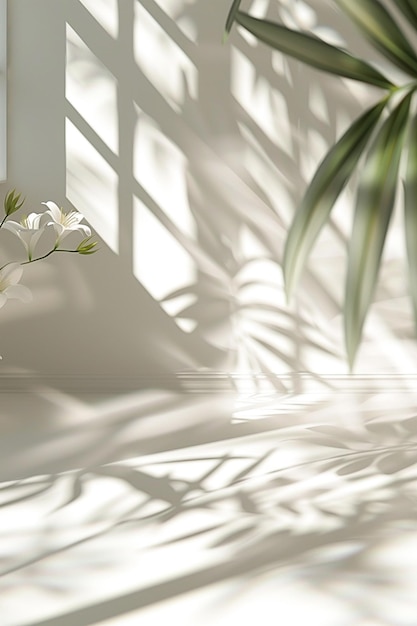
column 33, row 220
column 53, row 210
column 35, row 238
column 30, row 238
column 3, row 299
column 20, row 292
column 59, row 229
column 10, row 274
column 14, row 227
column 75, row 217
column 85, row 229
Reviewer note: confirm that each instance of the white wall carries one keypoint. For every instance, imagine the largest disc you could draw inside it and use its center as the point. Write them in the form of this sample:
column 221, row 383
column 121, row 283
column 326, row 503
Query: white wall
column 90, row 316
column 188, row 158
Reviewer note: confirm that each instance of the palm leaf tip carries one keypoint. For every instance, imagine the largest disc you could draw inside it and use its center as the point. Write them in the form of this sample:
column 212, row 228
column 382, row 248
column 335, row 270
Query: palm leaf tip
column 351, row 351
column 230, row 19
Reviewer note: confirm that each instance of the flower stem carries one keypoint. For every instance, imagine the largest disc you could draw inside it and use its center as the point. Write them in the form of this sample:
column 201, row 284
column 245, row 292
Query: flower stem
column 44, row 256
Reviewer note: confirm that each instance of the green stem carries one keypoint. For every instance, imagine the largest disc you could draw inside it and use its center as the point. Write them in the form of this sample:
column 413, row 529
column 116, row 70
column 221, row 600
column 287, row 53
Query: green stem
column 411, row 86
column 44, row 256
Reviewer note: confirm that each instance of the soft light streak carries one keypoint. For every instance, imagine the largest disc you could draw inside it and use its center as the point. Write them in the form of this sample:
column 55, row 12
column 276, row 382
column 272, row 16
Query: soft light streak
column 92, row 185
column 160, row 262
column 162, row 61
column 106, row 14
column 91, row 89
column 266, row 106
column 161, row 168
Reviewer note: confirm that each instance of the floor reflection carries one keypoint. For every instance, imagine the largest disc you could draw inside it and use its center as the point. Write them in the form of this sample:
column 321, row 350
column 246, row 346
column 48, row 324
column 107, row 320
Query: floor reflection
column 305, row 508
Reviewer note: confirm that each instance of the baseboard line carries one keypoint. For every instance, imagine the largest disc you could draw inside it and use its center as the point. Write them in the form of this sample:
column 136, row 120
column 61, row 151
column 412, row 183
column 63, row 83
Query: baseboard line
column 213, row 382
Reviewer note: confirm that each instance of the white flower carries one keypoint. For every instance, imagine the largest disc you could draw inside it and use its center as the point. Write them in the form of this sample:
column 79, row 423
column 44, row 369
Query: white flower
column 9, row 277
column 65, row 223
column 28, row 230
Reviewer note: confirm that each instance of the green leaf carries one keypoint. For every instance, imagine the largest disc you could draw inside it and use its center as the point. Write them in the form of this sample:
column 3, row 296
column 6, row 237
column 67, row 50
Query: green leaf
column 382, row 31
column 413, row 6
column 374, row 206
column 409, row 9
column 231, row 18
column 410, row 212
column 312, row 51
column 323, row 191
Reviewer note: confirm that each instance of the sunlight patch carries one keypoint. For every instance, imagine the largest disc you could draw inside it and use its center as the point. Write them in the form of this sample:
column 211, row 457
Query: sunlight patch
column 91, row 89
column 318, row 103
column 91, row 185
column 266, row 106
column 259, row 8
column 160, row 167
column 105, row 12
column 160, row 263
column 180, row 13
column 162, row 61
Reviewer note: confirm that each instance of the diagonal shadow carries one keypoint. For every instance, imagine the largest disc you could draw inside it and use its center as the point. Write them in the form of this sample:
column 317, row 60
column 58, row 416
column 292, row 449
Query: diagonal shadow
column 325, row 515
column 197, row 131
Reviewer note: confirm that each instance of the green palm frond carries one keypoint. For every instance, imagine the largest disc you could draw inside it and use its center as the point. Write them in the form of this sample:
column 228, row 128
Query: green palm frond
column 374, row 207
column 231, row 18
column 409, row 10
column 312, row 50
column 329, row 180
column 380, row 148
column 410, row 212
column 380, row 28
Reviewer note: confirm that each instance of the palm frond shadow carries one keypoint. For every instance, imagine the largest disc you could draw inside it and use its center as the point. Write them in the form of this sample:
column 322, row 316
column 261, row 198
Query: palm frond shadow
column 324, row 514
column 244, row 307
column 195, row 128
column 216, row 314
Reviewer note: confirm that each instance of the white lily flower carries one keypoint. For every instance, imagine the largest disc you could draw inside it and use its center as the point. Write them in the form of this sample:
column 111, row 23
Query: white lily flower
column 28, row 230
column 9, row 277
column 65, row 223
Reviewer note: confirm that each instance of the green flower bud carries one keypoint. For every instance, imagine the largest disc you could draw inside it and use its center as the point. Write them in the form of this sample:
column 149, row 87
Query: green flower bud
column 87, row 246
column 11, row 202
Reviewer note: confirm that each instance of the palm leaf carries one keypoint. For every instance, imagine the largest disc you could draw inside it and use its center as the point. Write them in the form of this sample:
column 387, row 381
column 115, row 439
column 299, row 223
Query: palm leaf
column 382, row 31
column 410, row 212
column 409, row 10
column 312, row 51
column 231, row 18
column 413, row 5
column 375, row 201
column 329, row 180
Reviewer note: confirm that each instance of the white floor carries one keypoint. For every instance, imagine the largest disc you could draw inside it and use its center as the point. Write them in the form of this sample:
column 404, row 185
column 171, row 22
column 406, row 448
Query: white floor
column 203, row 510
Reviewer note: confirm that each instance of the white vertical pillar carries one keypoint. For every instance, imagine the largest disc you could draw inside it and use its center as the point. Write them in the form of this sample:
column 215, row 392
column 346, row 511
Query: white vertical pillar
column 3, row 90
